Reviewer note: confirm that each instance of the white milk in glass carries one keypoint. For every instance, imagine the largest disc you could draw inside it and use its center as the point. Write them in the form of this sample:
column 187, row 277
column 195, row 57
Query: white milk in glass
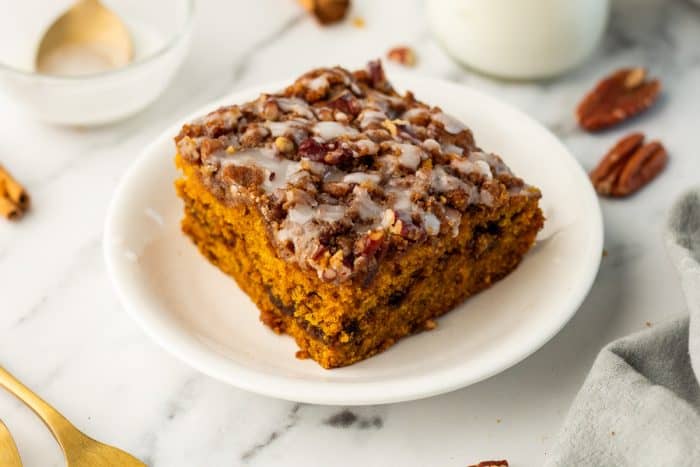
column 520, row 39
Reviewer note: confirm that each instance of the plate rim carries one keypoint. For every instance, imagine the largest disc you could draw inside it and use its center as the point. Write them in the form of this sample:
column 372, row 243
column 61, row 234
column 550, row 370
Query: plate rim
column 347, row 393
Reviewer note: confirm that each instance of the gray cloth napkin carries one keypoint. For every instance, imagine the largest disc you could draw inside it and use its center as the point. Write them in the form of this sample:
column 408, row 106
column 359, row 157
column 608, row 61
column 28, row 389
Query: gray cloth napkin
column 640, row 404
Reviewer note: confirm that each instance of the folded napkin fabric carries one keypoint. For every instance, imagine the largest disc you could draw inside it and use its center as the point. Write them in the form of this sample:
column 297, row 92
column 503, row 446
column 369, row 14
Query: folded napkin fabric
column 640, row 404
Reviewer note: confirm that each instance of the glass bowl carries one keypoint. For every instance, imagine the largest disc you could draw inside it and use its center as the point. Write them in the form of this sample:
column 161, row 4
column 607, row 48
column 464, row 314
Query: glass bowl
column 160, row 31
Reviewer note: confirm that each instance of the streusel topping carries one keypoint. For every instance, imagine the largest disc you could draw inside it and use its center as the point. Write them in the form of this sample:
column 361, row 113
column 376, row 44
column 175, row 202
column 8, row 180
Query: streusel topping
column 344, row 169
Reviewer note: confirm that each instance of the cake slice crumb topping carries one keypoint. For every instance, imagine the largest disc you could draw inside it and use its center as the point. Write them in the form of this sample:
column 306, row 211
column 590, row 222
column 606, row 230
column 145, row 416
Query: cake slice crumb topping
column 344, row 168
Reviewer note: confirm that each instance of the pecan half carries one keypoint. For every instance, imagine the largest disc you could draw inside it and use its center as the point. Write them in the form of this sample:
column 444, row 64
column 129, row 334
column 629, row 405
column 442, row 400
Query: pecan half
column 628, row 166
column 617, row 97
column 326, row 11
column 501, row 463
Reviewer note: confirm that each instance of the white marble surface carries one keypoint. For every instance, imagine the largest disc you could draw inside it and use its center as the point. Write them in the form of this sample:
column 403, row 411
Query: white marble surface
column 63, row 332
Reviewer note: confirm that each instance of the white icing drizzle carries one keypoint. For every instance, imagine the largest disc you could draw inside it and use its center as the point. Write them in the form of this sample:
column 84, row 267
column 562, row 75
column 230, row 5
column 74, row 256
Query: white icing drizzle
column 286, row 127
column 467, row 167
column 497, row 166
column 431, row 145
column 370, row 116
column 431, row 223
column 362, row 177
column 318, row 84
column 295, row 105
column 367, row 146
column 484, row 169
column 331, row 212
column 300, row 214
column 451, row 124
column 388, row 218
column 441, row 181
column 304, row 214
column 410, row 156
column 366, row 207
column 293, row 169
column 331, row 130
column 452, row 149
column 402, row 200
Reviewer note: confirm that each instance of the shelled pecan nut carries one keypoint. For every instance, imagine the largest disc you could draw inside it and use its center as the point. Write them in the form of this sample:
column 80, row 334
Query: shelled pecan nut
column 628, row 166
column 499, row 463
column 616, row 98
column 326, row 11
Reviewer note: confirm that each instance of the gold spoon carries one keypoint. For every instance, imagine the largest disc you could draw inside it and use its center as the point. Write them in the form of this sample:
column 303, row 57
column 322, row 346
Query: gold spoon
column 88, row 38
column 9, row 456
column 79, row 449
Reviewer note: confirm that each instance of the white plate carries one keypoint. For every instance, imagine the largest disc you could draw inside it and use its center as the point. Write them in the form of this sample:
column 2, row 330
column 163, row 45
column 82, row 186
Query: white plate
column 201, row 316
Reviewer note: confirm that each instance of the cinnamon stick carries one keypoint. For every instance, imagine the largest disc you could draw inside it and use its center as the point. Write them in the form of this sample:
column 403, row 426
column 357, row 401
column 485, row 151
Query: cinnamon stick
column 8, row 209
column 14, row 199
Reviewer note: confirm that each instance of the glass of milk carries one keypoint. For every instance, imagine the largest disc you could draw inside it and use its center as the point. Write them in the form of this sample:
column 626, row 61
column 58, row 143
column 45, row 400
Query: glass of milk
column 519, row 39
column 86, row 93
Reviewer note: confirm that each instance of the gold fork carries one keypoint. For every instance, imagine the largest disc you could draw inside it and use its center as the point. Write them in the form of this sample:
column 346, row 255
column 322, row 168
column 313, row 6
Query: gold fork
column 9, row 456
column 79, row 449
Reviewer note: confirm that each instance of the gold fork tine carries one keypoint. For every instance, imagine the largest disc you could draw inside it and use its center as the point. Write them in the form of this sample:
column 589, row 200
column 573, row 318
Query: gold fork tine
column 9, row 456
column 79, row 449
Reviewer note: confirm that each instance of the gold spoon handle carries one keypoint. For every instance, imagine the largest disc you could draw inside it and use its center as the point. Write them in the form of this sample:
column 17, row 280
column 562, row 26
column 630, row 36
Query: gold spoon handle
column 88, row 3
column 9, row 456
column 56, row 422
